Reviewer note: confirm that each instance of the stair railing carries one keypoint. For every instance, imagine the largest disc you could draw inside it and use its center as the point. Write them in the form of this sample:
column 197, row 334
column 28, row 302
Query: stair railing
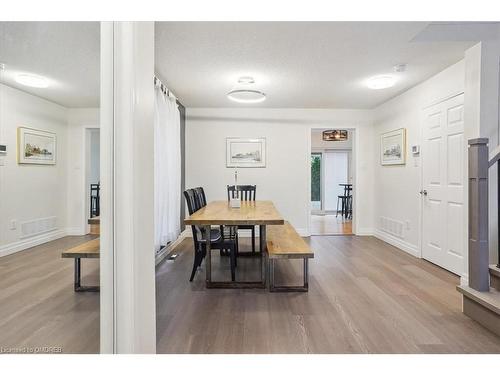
column 495, row 159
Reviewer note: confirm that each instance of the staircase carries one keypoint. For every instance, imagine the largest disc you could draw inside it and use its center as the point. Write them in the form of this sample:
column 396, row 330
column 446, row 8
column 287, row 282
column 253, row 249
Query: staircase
column 484, row 307
column 481, row 298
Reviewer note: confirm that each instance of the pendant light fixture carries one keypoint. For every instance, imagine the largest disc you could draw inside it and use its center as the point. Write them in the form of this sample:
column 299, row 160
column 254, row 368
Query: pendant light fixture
column 335, row 135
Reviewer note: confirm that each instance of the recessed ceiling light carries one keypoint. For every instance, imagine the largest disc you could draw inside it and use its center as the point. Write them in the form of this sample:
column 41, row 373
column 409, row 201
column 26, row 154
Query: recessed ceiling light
column 32, row 80
column 381, row 82
column 246, row 96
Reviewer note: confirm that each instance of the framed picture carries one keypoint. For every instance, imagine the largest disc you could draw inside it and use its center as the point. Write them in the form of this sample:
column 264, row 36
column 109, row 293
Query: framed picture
column 393, row 147
column 36, row 146
column 245, row 152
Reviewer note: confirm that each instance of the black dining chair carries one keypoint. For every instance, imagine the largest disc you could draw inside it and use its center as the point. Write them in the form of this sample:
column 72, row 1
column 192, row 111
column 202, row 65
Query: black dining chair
column 346, row 202
column 244, row 193
column 219, row 240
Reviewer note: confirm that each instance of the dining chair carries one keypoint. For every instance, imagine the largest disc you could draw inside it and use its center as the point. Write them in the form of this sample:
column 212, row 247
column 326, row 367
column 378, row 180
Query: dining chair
column 345, row 200
column 196, row 199
column 245, row 193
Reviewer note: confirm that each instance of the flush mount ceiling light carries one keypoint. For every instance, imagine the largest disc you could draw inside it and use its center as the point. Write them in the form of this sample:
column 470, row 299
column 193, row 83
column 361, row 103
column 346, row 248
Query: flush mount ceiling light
column 381, row 82
column 32, row 80
column 245, row 94
column 335, row 135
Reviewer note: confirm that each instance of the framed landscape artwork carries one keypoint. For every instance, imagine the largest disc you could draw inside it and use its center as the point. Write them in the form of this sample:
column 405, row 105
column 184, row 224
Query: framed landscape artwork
column 393, row 147
column 245, row 152
column 36, row 146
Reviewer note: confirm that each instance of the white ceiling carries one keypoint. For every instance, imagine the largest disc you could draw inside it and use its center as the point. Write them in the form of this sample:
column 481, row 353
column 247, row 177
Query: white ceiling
column 297, row 64
column 67, row 53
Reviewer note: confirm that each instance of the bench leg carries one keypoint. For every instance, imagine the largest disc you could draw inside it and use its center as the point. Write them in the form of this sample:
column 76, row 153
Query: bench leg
column 77, row 284
column 275, row 288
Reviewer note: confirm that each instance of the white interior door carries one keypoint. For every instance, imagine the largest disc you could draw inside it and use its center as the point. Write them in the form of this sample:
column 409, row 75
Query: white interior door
column 443, row 165
column 336, row 171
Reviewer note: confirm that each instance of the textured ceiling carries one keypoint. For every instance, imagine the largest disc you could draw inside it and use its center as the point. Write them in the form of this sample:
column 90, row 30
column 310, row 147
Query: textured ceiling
column 66, row 53
column 297, row 64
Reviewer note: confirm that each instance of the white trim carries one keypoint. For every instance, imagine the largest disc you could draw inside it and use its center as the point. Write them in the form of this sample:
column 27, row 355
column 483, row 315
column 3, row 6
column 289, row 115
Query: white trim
column 364, row 232
column 397, row 242
column 162, row 254
column 25, row 244
column 76, row 231
column 442, row 100
column 464, row 280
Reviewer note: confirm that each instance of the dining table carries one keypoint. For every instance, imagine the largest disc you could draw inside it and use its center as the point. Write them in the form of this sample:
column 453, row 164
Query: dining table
column 220, row 213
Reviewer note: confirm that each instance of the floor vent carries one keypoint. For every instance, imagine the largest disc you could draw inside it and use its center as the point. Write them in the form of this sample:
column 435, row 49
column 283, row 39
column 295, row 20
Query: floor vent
column 392, row 226
column 35, row 227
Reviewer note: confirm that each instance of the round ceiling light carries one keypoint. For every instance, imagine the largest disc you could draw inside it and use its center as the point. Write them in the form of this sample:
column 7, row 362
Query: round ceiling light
column 381, row 82
column 246, row 96
column 32, row 80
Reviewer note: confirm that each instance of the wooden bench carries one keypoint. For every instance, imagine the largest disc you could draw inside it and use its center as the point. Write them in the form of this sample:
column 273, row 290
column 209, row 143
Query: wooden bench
column 88, row 249
column 283, row 242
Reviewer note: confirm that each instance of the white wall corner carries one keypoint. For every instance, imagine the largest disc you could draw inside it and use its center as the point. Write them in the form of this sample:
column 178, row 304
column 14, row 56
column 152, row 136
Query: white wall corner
column 464, row 280
column 398, row 242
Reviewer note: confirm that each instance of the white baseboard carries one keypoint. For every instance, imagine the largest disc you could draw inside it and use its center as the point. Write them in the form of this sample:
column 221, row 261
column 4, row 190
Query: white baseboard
column 76, row 231
column 26, row 243
column 167, row 250
column 364, row 232
column 464, row 280
column 397, row 242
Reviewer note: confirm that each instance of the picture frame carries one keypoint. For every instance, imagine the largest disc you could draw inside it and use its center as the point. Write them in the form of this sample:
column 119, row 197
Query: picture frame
column 393, row 147
column 36, row 146
column 245, row 152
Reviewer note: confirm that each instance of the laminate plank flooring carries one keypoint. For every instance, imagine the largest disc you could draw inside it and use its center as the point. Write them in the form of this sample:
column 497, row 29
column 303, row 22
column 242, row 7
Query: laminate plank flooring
column 330, row 225
column 365, row 296
column 38, row 307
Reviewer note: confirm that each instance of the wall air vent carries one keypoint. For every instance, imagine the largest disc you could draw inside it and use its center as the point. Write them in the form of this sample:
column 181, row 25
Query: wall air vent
column 391, row 226
column 35, row 227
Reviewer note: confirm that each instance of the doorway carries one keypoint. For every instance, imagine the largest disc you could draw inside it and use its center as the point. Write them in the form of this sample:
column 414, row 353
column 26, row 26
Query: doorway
column 331, row 185
column 92, row 177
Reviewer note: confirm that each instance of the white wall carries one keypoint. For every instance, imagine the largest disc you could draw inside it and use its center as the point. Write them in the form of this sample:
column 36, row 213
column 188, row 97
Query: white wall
column 285, row 180
column 80, row 120
column 30, row 192
column 94, row 156
column 397, row 187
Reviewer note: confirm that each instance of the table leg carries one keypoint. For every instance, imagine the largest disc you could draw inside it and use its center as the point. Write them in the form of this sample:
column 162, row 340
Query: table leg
column 208, row 261
column 263, row 252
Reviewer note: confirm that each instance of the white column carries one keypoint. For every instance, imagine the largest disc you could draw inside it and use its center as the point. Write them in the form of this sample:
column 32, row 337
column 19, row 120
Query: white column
column 128, row 321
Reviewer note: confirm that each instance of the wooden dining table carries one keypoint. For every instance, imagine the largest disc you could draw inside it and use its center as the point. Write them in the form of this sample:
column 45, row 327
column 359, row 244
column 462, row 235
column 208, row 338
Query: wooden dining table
column 259, row 213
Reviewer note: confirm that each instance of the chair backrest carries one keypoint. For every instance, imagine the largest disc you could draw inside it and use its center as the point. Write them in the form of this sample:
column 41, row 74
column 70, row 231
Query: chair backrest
column 195, row 199
column 200, row 195
column 192, row 201
column 245, row 192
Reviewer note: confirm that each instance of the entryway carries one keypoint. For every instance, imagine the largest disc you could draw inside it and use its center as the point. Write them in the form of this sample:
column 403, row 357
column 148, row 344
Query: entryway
column 331, row 182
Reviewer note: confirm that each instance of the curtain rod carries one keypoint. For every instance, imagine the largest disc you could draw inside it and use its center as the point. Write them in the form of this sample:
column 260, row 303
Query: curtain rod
column 164, row 88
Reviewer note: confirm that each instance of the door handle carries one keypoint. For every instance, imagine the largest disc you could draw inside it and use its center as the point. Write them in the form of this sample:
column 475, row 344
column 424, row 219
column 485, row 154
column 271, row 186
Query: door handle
column 423, row 192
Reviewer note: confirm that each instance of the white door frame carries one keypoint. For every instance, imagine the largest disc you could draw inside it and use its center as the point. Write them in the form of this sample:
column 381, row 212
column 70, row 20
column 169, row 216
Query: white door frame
column 87, row 132
column 354, row 166
column 127, row 298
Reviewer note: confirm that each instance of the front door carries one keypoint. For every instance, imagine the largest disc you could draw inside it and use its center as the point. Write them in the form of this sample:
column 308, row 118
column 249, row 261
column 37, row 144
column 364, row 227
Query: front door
column 443, row 166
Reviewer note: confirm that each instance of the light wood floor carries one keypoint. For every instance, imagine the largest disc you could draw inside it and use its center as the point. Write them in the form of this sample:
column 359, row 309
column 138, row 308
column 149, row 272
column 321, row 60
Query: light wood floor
column 330, row 225
column 365, row 296
column 38, row 307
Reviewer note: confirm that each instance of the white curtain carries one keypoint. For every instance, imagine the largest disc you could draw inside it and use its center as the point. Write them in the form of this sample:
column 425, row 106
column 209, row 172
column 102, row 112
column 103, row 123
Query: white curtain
column 167, row 169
